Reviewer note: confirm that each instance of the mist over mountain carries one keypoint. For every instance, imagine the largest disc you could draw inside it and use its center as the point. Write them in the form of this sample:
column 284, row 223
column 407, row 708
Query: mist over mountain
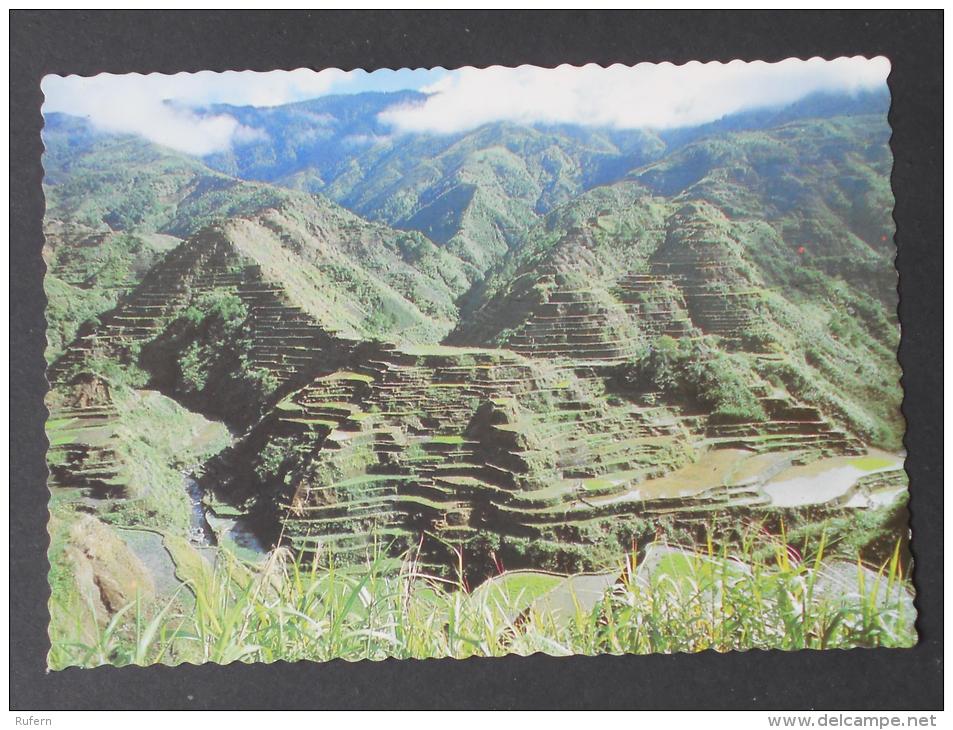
column 475, row 191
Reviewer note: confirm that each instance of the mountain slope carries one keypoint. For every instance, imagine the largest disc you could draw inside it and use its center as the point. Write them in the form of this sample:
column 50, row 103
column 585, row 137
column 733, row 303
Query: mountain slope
column 118, row 204
column 480, row 194
column 318, row 138
column 114, row 205
column 822, row 185
column 474, row 191
column 477, row 191
column 744, row 238
column 348, row 278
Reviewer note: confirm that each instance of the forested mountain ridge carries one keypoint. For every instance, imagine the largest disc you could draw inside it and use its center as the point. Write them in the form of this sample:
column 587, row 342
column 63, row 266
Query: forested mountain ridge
column 478, row 190
column 475, row 191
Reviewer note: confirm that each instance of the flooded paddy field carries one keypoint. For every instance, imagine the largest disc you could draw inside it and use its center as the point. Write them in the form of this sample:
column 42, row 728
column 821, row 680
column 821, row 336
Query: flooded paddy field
column 778, row 479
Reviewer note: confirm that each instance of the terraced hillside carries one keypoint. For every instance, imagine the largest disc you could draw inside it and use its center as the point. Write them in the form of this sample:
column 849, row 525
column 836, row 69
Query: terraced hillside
column 114, row 206
column 120, row 203
column 578, row 305
column 564, row 342
column 282, row 338
column 88, row 270
column 117, row 451
column 300, row 299
column 708, row 244
column 460, row 446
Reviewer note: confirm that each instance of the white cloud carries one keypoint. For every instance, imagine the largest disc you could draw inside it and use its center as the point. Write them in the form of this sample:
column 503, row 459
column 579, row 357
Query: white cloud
column 362, row 140
column 161, row 107
column 654, row 96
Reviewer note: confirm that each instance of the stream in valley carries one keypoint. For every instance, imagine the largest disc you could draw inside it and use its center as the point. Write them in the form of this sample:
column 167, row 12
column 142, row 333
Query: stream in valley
column 207, row 529
column 200, row 531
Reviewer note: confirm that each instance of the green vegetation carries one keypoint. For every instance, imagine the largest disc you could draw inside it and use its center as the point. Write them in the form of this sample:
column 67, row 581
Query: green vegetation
column 778, row 241
column 373, row 281
column 869, row 463
column 697, row 375
column 871, row 534
column 203, row 358
column 156, row 439
column 292, row 611
column 87, row 280
column 67, row 308
column 473, row 193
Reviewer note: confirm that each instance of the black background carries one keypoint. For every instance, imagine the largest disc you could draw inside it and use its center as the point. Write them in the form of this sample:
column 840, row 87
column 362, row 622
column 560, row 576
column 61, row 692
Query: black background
column 84, row 42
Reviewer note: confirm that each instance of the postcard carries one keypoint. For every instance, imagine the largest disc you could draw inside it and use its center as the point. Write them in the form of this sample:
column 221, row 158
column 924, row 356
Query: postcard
column 473, row 362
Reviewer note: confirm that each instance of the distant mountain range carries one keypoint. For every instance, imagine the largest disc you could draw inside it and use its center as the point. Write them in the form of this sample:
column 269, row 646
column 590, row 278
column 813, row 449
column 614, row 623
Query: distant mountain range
column 477, row 192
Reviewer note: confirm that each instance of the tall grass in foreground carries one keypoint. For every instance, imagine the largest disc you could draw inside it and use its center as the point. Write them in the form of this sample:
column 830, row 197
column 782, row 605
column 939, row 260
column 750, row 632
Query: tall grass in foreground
column 689, row 602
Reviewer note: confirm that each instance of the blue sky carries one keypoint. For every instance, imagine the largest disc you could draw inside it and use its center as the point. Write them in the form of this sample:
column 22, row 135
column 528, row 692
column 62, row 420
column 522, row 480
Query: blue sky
column 387, row 80
column 657, row 96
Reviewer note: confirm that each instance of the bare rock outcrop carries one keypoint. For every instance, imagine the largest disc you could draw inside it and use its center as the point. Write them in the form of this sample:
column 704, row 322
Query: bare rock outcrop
column 108, row 574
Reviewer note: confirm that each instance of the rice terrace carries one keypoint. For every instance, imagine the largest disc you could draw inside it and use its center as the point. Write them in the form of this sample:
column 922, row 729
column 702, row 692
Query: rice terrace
column 366, row 365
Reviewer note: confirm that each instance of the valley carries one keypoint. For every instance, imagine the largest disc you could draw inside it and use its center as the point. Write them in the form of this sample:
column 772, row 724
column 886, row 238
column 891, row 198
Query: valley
column 511, row 353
